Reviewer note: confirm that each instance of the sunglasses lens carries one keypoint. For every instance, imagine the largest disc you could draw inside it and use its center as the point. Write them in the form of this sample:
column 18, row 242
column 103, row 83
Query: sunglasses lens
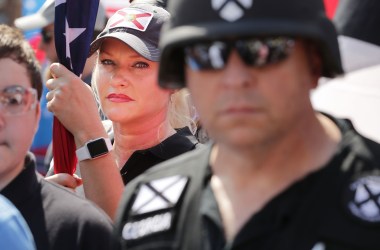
column 47, row 36
column 16, row 100
column 206, row 56
column 254, row 52
column 265, row 51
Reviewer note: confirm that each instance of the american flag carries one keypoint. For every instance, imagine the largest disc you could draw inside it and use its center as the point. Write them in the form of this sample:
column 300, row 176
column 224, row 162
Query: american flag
column 73, row 29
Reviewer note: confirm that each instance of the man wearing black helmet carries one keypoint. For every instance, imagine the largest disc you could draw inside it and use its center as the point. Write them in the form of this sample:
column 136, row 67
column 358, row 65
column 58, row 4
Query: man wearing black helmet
column 278, row 175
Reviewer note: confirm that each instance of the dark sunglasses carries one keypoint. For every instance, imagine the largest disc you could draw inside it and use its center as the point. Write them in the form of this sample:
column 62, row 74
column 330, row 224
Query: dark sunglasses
column 256, row 52
column 47, row 36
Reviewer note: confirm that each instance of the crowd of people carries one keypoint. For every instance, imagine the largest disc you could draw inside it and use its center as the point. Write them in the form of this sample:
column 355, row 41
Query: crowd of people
column 197, row 130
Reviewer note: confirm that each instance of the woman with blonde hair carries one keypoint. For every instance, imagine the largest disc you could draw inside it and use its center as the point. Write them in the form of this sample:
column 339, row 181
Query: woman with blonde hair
column 148, row 124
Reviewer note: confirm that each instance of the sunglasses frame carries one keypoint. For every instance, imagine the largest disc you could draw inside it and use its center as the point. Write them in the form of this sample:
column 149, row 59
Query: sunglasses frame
column 33, row 102
column 199, row 57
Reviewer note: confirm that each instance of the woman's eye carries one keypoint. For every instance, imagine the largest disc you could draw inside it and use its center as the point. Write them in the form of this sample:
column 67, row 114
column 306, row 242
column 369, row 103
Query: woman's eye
column 141, row 65
column 106, row 62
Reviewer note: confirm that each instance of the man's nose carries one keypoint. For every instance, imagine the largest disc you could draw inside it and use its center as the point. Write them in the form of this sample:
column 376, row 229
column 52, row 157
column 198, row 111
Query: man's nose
column 236, row 73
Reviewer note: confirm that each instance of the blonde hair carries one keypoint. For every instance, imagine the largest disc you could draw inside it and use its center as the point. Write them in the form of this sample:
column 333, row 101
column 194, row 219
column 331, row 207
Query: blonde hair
column 180, row 109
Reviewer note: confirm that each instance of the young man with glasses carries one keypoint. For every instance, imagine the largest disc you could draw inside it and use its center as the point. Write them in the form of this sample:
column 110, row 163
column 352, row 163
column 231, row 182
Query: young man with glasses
column 57, row 218
column 278, row 175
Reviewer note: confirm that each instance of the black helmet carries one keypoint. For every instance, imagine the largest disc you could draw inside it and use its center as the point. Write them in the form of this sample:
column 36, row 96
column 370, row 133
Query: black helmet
column 193, row 20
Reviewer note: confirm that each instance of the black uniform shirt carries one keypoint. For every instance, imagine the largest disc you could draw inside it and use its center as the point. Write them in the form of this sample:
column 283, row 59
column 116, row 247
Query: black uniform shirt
column 57, row 218
column 312, row 211
column 141, row 160
column 266, row 227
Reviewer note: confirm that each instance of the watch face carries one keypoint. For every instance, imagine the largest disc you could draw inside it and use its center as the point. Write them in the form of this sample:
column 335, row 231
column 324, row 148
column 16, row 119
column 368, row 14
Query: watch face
column 97, row 148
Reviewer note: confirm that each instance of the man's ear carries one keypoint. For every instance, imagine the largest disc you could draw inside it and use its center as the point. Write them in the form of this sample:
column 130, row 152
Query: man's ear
column 38, row 116
column 315, row 63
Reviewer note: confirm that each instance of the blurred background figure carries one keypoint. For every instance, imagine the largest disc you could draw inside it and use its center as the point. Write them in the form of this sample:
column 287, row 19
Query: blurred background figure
column 358, row 25
column 9, row 10
column 356, row 95
column 14, row 232
column 43, row 20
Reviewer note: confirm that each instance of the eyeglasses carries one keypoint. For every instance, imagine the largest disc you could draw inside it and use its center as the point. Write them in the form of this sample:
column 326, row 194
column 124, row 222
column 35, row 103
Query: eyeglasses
column 256, row 52
column 16, row 100
column 47, row 36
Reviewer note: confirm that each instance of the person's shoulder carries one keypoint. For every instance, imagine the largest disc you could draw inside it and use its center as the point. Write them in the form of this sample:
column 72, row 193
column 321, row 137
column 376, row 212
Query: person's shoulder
column 69, row 205
column 359, row 146
column 186, row 164
column 369, row 150
column 183, row 174
column 73, row 222
column 194, row 158
column 351, row 188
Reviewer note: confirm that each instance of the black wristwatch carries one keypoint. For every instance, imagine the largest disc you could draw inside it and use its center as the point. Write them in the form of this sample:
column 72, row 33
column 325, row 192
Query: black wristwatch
column 94, row 149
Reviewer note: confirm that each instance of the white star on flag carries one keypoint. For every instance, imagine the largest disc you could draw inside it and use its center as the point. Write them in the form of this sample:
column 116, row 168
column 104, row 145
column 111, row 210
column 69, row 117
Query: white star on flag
column 58, row 2
column 71, row 34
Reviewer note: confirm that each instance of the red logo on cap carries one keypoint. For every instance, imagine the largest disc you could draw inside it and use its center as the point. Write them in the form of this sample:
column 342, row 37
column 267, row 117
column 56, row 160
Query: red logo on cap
column 131, row 18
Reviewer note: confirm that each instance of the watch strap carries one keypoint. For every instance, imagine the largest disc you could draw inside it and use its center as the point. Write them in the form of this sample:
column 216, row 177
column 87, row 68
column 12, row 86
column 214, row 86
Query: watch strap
column 83, row 153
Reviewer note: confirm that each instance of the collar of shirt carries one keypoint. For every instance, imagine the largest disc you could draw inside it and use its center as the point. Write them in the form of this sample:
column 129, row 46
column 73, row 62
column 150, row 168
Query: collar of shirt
column 141, row 160
column 178, row 143
column 25, row 184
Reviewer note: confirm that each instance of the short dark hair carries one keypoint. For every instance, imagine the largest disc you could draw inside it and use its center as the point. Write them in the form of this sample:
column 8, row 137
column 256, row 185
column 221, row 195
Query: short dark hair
column 14, row 46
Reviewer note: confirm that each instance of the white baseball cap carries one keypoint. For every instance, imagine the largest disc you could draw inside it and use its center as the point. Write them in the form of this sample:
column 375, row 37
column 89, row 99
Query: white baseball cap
column 45, row 16
column 138, row 26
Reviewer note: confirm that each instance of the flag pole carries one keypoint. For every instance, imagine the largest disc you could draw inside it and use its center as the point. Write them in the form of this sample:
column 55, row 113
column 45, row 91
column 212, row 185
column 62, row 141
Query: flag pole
column 73, row 29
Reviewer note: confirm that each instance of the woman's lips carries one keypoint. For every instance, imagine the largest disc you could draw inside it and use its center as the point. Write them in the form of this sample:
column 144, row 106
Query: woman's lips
column 119, row 98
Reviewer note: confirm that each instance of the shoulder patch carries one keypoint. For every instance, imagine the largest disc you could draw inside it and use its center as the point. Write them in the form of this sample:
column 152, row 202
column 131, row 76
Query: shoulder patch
column 159, row 194
column 149, row 225
column 363, row 199
column 154, row 208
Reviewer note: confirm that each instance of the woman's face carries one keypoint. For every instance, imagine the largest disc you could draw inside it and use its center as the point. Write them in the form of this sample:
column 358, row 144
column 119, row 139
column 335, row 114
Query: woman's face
column 127, row 85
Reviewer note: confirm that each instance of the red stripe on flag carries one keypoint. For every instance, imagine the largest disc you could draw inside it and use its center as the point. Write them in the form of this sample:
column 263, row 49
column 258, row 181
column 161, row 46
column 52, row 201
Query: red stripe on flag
column 330, row 6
